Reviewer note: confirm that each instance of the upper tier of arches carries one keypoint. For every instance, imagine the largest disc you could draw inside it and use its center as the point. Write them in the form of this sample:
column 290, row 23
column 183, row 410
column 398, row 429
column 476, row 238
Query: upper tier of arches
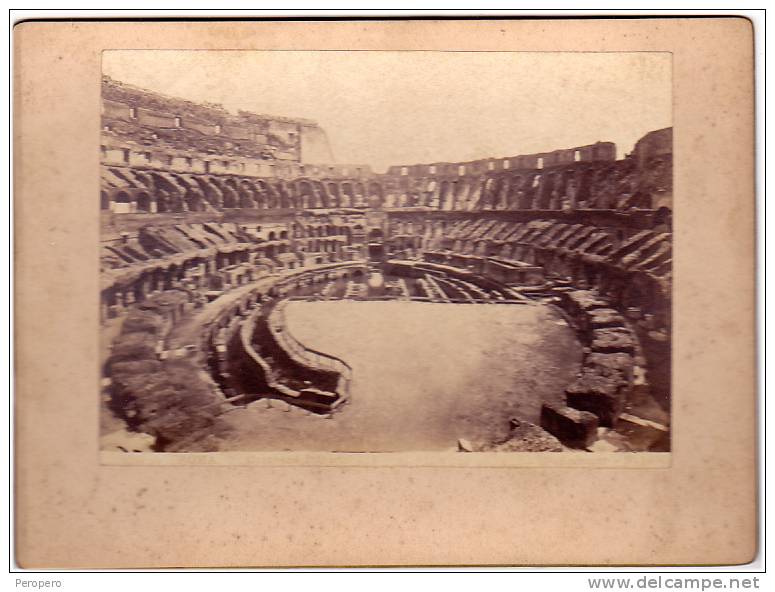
column 620, row 185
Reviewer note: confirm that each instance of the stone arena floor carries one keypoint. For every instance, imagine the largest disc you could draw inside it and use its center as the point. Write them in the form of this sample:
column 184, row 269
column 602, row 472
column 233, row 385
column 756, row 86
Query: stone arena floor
column 424, row 375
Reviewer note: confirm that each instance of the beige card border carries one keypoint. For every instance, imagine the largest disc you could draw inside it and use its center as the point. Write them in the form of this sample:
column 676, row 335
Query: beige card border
column 72, row 511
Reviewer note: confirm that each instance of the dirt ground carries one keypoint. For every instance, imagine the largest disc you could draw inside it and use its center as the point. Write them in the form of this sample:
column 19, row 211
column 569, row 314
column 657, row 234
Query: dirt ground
column 424, row 375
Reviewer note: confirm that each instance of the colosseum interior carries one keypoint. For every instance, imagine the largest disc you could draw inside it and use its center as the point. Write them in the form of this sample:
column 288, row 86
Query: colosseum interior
column 252, row 300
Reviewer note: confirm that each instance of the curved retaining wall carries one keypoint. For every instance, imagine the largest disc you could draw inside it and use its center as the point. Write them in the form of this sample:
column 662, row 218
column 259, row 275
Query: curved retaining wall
column 323, row 382
column 310, row 362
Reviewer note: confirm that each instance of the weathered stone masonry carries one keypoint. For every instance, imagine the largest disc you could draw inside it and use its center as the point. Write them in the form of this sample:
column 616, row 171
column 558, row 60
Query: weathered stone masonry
column 197, row 202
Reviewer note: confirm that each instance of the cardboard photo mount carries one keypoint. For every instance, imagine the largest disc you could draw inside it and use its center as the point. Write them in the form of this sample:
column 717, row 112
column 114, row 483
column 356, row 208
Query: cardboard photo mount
column 74, row 510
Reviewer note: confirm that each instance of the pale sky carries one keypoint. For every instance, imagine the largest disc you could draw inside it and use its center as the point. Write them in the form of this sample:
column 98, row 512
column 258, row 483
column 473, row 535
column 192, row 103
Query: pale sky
column 407, row 107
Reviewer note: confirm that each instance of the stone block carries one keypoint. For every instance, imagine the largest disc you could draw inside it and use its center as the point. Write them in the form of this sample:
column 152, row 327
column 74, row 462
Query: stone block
column 574, row 428
column 596, row 394
column 585, row 300
column 645, row 434
column 613, row 340
column 617, row 366
column 601, row 318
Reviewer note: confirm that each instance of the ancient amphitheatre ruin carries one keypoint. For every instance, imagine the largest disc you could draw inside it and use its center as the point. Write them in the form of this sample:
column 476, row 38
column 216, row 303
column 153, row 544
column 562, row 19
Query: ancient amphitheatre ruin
column 253, row 298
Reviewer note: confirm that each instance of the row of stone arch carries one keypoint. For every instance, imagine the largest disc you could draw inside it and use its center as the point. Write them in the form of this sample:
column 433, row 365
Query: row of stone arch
column 157, row 192
column 593, row 186
column 301, row 230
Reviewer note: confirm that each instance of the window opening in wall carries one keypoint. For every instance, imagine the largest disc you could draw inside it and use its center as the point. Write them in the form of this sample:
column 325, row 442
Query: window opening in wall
column 133, row 112
column 461, row 170
column 189, row 161
column 540, row 163
column 207, row 166
column 178, row 122
column 506, row 164
column 217, row 129
column 491, row 166
column 125, row 151
column 433, row 169
column 576, row 155
column 147, row 156
column 404, row 171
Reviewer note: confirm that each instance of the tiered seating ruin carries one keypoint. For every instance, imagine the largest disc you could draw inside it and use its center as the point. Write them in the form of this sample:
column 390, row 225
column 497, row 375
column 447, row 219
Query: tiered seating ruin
column 201, row 206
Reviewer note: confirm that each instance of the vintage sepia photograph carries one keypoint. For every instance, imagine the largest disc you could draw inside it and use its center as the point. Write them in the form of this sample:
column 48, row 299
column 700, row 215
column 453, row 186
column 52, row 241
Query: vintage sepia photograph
column 385, row 251
column 387, row 294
